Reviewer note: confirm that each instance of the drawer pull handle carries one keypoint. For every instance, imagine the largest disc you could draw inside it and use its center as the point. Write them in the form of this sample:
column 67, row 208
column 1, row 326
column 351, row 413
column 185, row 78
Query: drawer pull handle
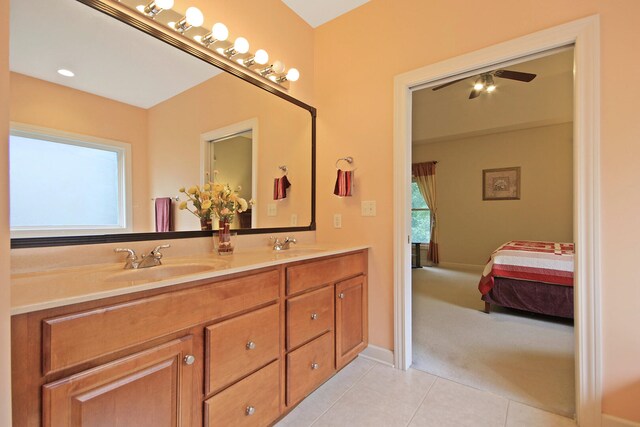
column 314, row 316
column 251, row 345
column 250, row 410
column 189, row 359
column 341, row 295
column 314, row 366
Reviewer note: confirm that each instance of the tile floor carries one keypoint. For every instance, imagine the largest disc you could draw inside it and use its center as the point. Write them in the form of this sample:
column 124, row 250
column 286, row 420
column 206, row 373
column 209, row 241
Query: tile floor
column 367, row 393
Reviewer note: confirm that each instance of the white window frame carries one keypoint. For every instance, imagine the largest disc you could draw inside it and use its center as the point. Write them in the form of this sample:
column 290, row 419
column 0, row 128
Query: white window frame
column 125, row 200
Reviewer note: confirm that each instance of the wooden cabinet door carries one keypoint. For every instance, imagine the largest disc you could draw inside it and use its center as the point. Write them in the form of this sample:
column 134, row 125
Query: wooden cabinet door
column 151, row 388
column 351, row 319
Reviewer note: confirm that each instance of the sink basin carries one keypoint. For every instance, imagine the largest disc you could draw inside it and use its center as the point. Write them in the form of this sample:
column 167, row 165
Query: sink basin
column 163, row 272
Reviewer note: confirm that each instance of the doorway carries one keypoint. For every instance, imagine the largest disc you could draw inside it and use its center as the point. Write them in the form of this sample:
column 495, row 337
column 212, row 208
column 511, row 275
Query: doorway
column 584, row 35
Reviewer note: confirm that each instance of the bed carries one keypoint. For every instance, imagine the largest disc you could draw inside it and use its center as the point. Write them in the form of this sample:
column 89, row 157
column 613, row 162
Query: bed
column 531, row 276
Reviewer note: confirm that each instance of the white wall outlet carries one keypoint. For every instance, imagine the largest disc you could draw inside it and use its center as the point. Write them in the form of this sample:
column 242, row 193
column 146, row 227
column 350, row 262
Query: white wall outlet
column 337, row 221
column 272, row 209
column 294, row 220
column 368, row 208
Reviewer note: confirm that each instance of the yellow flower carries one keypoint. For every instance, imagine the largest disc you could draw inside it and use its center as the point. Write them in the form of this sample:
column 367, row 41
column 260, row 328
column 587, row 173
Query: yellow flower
column 181, row 189
column 192, row 190
column 207, row 187
column 206, row 205
column 182, row 206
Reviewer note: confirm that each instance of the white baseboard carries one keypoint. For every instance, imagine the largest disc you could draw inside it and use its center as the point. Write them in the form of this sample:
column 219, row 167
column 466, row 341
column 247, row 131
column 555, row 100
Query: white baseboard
column 460, row 265
column 378, row 354
column 611, row 421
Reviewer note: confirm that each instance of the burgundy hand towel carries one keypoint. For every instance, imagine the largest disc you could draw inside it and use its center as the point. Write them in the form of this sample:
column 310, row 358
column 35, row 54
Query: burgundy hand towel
column 344, row 184
column 280, row 186
column 163, row 214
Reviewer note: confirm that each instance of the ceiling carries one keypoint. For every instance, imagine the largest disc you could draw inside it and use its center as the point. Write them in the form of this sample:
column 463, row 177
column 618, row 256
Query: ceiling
column 448, row 113
column 318, row 12
column 111, row 59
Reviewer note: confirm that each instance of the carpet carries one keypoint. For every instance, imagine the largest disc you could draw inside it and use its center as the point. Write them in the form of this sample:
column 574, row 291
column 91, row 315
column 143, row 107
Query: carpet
column 525, row 357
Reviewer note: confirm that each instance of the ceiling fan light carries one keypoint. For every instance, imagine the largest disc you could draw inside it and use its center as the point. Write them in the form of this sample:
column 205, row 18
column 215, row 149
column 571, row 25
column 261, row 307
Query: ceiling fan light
column 478, row 86
column 491, row 88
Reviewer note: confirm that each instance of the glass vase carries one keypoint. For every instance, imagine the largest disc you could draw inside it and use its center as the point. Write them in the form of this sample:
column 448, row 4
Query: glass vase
column 223, row 239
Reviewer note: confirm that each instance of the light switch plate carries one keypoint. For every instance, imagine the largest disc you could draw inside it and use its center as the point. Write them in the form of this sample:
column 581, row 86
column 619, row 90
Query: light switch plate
column 294, row 220
column 368, row 208
column 272, row 209
column 337, row 221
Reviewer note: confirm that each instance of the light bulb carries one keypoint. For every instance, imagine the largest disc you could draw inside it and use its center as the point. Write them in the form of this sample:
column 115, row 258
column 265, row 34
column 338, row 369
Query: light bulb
column 66, row 73
column 241, row 45
column 278, row 67
column 491, row 88
column 220, row 31
column 164, row 4
column 261, row 57
column 194, row 16
column 293, row 75
column 478, row 86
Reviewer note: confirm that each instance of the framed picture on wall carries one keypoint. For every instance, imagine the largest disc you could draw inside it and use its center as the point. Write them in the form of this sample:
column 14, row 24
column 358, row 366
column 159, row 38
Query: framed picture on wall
column 501, row 184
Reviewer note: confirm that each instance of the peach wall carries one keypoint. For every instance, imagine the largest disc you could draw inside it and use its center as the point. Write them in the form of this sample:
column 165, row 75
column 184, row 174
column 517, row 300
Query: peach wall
column 471, row 228
column 41, row 103
column 5, row 344
column 284, row 134
column 357, row 57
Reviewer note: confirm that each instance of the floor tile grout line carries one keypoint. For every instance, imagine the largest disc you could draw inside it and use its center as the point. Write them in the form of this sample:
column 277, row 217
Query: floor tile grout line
column 422, row 401
column 342, row 395
column 506, row 415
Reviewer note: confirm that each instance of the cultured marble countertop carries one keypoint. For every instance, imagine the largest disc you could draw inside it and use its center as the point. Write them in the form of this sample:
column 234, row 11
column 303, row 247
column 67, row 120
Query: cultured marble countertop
column 55, row 288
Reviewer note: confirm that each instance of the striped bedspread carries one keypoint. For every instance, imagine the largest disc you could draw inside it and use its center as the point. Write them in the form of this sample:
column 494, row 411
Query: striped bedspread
column 546, row 262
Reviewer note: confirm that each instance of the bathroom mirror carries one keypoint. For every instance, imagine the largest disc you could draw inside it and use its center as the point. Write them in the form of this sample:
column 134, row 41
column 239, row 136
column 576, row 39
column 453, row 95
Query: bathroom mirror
column 165, row 104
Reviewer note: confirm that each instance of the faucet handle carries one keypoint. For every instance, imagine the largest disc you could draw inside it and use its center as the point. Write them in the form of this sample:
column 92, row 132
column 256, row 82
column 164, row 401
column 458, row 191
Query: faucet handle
column 290, row 240
column 132, row 253
column 156, row 251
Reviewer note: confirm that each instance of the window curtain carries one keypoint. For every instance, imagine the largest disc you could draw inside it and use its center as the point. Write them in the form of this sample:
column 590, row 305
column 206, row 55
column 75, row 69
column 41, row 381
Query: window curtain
column 425, row 174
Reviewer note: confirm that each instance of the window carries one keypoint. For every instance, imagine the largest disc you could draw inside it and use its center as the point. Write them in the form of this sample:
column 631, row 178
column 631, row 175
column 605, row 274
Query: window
column 420, row 217
column 62, row 184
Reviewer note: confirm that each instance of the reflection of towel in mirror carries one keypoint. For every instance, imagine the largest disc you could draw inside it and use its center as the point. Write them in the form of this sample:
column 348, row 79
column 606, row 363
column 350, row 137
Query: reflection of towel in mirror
column 344, row 184
column 163, row 214
column 280, row 186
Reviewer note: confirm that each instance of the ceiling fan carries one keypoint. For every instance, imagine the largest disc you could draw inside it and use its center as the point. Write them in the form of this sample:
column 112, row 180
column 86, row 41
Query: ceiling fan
column 484, row 82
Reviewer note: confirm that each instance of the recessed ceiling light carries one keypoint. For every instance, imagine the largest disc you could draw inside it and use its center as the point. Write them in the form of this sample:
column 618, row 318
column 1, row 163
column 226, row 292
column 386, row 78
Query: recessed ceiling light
column 66, row 73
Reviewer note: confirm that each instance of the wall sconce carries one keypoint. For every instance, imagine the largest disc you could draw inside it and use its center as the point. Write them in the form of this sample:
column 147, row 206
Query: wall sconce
column 192, row 18
column 277, row 67
column 261, row 57
column 240, row 46
column 219, row 33
column 155, row 7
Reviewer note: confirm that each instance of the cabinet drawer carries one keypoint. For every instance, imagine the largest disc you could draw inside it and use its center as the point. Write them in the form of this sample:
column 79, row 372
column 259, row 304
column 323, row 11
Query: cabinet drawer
column 75, row 338
column 308, row 367
column 241, row 345
column 254, row 401
column 309, row 316
column 313, row 274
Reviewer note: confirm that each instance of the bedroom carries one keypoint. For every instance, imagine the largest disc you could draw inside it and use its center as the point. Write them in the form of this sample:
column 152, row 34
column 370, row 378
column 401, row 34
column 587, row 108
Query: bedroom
column 527, row 129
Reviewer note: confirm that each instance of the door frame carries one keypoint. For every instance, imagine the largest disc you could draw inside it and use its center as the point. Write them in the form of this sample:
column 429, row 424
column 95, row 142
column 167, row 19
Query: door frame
column 584, row 35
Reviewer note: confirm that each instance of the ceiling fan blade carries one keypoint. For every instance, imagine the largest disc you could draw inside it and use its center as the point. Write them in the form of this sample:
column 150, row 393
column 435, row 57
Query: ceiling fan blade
column 514, row 75
column 446, row 84
column 474, row 93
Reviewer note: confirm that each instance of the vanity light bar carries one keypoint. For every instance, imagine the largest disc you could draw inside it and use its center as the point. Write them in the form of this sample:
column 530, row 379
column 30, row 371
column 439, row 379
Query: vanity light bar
column 219, row 34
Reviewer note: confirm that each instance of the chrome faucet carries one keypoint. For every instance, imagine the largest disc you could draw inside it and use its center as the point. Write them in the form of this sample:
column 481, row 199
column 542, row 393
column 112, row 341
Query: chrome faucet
column 152, row 259
column 282, row 245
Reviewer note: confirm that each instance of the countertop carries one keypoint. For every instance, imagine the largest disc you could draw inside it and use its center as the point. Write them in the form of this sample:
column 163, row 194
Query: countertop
column 55, row 288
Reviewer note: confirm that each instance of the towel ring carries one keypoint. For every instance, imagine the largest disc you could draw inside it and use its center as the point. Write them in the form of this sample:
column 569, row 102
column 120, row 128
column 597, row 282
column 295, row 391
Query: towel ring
column 284, row 169
column 348, row 159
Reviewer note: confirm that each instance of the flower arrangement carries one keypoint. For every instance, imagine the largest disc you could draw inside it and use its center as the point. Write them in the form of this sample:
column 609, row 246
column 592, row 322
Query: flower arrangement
column 216, row 199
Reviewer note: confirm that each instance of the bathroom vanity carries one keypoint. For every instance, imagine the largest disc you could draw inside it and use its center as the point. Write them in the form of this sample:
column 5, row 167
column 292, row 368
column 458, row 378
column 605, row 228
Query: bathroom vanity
column 240, row 344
